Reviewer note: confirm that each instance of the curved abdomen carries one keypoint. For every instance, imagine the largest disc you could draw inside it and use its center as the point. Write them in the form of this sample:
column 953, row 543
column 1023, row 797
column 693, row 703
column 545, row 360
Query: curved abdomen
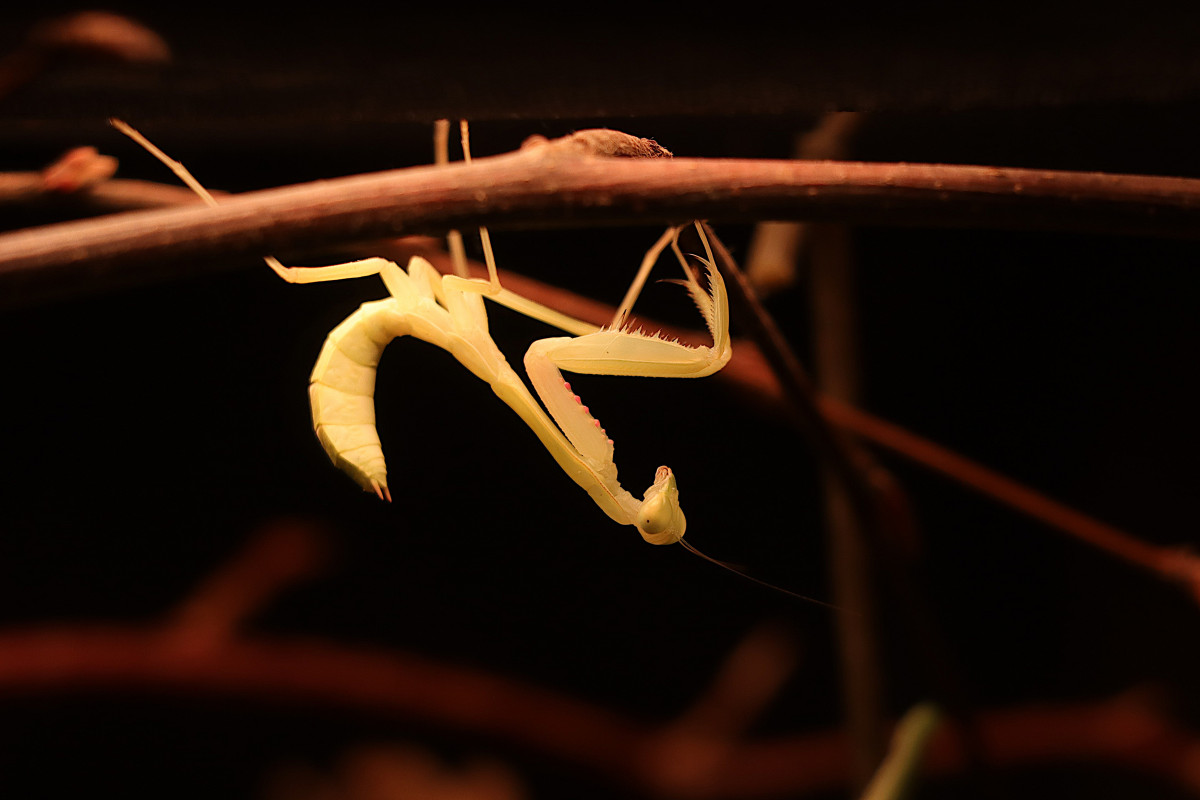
column 342, row 392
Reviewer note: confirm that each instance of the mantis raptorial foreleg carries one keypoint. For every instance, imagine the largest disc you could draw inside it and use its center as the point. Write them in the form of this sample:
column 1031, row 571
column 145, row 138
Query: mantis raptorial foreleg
column 449, row 313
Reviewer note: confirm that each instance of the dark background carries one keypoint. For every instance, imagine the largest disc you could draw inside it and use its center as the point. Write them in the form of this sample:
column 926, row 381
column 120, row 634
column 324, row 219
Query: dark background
column 149, row 432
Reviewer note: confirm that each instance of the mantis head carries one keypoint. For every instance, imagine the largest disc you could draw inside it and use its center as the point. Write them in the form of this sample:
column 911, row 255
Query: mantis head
column 659, row 519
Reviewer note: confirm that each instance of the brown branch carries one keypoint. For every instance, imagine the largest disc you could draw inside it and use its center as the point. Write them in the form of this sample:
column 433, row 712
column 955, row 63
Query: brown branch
column 774, row 256
column 687, row 754
column 749, row 371
column 92, row 35
column 545, row 187
column 777, row 248
column 851, row 465
column 1171, row 563
column 30, row 189
column 879, row 508
column 1120, row 732
column 282, row 553
column 832, row 309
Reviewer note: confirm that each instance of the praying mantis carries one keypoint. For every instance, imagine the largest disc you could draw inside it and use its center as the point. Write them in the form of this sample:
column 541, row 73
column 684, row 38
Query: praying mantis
column 448, row 312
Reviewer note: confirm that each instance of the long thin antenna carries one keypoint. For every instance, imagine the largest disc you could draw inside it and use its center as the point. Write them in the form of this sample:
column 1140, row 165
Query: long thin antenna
column 287, row 273
column 726, row 565
column 179, row 169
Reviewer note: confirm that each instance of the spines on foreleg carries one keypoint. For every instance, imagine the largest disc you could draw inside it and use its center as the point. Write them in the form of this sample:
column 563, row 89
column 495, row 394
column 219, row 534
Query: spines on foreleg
column 574, row 418
column 713, row 304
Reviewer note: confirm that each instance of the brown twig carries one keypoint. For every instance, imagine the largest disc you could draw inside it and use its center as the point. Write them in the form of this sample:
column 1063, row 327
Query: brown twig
column 777, row 248
column 836, row 364
column 851, row 466
column 869, row 490
column 774, row 256
column 1171, row 563
column 94, row 35
column 685, row 755
column 1122, row 731
column 282, row 553
column 542, row 187
column 30, row 189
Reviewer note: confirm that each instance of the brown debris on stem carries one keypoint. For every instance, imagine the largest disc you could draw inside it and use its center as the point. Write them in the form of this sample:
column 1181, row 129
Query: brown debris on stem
column 283, row 553
column 601, row 142
column 78, row 169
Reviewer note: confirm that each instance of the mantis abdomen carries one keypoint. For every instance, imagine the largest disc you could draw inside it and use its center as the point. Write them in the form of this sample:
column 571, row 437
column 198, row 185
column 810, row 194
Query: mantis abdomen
column 342, row 384
column 342, row 392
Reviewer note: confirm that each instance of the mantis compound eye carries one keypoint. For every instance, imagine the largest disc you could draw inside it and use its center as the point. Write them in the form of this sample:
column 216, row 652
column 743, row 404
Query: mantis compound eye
column 660, row 520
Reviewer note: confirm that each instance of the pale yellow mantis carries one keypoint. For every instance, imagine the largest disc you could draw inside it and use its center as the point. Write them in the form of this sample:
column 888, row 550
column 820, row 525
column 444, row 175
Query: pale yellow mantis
column 448, row 311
